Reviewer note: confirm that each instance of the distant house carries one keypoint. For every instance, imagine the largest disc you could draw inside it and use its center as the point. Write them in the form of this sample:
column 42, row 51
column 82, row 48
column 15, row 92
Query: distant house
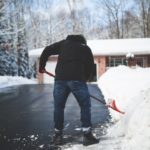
column 107, row 53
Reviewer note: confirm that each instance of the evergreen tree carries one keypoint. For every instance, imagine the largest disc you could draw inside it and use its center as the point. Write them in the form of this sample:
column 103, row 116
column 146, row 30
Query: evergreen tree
column 23, row 58
column 14, row 59
column 8, row 61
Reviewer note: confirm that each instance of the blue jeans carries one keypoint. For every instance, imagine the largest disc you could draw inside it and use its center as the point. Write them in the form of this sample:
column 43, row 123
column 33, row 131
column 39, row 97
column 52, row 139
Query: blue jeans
column 81, row 93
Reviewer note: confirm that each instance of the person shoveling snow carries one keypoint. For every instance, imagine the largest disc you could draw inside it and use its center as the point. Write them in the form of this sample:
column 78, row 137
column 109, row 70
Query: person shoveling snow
column 73, row 70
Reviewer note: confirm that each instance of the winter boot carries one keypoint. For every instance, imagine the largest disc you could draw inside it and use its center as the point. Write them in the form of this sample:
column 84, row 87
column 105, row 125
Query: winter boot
column 57, row 138
column 89, row 139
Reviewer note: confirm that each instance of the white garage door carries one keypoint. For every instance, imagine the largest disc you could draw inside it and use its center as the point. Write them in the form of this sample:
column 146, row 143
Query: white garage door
column 50, row 66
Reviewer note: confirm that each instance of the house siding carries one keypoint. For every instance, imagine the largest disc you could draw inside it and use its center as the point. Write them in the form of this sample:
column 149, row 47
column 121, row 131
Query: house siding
column 101, row 65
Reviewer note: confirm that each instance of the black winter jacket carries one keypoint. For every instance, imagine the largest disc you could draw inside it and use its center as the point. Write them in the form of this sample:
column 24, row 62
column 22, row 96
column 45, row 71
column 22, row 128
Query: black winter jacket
column 75, row 59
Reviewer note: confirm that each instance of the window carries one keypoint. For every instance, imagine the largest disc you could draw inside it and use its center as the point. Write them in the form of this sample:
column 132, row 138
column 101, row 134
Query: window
column 116, row 61
column 141, row 61
column 113, row 61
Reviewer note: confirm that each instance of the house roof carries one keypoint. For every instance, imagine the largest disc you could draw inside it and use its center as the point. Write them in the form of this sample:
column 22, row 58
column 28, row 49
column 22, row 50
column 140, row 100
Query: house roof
column 112, row 47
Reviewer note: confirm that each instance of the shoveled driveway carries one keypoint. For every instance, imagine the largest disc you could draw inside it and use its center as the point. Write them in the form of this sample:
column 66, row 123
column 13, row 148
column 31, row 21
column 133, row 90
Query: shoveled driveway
column 26, row 117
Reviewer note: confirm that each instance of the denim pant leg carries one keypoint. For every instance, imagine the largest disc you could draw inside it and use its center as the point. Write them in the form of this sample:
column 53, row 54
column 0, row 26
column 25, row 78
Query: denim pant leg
column 80, row 91
column 61, row 92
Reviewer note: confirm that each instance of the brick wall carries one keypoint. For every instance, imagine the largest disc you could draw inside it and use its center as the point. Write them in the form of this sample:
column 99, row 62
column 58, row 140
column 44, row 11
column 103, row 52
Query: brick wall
column 101, row 65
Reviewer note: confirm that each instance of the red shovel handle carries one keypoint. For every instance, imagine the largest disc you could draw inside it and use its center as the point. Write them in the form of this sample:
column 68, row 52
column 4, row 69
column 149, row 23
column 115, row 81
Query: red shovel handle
column 50, row 74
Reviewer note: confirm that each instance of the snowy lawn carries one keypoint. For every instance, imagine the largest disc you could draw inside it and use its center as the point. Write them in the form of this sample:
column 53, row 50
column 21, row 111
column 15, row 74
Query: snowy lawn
column 131, row 90
column 6, row 81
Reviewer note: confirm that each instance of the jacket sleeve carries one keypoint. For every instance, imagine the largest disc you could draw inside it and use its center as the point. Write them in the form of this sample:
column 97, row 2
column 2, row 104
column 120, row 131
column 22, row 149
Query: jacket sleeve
column 89, row 64
column 53, row 49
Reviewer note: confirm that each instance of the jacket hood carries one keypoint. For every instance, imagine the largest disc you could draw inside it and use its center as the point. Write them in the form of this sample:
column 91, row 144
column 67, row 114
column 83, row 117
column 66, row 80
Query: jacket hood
column 77, row 38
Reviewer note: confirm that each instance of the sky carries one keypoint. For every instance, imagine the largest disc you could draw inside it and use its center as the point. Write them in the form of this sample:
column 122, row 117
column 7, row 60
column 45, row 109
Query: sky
column 130, row 87
column 95, row 7
column 58, row 5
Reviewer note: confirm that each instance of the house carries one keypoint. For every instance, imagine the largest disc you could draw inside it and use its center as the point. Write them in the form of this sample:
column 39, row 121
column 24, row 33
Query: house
column 107, row 53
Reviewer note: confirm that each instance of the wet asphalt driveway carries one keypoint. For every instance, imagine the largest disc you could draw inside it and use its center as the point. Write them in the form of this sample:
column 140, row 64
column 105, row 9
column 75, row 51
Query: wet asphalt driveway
column 26, row 117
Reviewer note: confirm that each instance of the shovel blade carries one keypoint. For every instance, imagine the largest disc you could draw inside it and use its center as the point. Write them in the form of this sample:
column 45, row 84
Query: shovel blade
column 114, row 107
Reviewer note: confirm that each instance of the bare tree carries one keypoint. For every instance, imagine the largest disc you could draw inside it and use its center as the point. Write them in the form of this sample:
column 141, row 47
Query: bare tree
column 131, row 25
column 113, row 14
column 73, row 7
column 144, row 11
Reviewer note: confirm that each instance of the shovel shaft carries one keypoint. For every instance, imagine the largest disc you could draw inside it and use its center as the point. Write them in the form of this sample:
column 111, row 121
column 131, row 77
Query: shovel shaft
column 98, row 99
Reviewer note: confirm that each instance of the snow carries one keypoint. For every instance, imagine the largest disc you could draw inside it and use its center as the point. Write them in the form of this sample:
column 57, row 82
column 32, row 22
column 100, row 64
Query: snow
column 6, row 81
column 120, row 46
column 129, row 55
column 112, row 47
column 130, row 87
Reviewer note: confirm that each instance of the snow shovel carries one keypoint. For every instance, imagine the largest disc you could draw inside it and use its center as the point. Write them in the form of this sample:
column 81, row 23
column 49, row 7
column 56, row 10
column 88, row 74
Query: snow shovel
column 111, row 105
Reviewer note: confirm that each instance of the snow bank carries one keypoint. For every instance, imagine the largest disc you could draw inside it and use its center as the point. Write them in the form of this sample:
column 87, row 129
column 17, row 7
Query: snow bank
column 6, row 81
column 131, row 90
column 123, row 84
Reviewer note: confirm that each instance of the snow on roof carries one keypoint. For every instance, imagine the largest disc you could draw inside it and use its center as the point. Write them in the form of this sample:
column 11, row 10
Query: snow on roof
column 35, row 52
column 112, row 47
column 120, row 46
